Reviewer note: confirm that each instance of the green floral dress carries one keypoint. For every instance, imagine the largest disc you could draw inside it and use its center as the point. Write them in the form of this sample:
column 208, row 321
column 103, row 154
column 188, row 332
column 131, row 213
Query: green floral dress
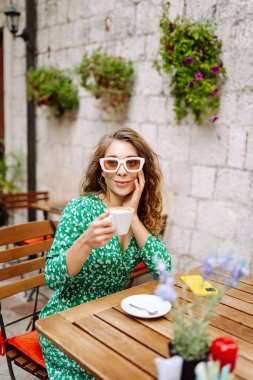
column 105, row 271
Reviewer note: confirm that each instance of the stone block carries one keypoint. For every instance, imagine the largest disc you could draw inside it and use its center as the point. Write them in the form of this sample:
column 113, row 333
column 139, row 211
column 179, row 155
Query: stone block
column 237, row 148
column 157, row 109
column 89, row 108
column 203, row 179
column 149, row 132
column 245, row 231
column 180, row 177
column 183, row 211
column 147, row 17
column 122, row 22
column 249, row 151
column 233, row 185
column 131, row 48
column 174, row 143
column 166, row 172
column 63, row 11
column 42, row 40
column 41, row 15
column 202, row 243
column 217, row 218
column 54, row 33
column 245, row 108
column 148, row 81
column 138, row 109
column 152, row 44
column 208, row 145
column 227, row 111
column 178, row 239
column 51, row 12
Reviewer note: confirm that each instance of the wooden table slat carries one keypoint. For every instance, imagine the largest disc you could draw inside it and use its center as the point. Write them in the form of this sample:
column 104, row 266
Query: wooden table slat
column 161, row 325
column 124, row 345
column 106, row 302
column 83, row 349
column 141, row 333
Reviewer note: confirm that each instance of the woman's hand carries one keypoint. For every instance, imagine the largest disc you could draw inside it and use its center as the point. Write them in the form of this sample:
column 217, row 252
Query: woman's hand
column 99, row 232
column 133, row 199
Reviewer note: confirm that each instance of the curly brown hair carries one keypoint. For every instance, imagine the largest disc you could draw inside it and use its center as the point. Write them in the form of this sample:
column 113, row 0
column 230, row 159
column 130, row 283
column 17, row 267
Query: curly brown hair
column 150, row 206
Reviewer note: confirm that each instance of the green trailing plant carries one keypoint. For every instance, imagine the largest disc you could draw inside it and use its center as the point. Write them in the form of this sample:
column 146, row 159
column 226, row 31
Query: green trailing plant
column 190, row 52
column 109, row 79
column 10, row 169
column 51, row 87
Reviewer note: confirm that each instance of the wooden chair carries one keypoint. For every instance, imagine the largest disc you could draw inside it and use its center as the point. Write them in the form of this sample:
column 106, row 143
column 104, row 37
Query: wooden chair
column 16, row 201
column 11, row 284
column 141, row 269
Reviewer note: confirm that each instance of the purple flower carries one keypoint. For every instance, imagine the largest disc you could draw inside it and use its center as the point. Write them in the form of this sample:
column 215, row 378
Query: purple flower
column 170, row 25
column 199, row 76
column 188, row 60
column 216, row 91
column 215, row 69
column 166, row 292
column 214, row 119
column 221, row 63
column 191, row 85
column 208, row 265
column 238, row 271
column 225, row 261
column 161, row 266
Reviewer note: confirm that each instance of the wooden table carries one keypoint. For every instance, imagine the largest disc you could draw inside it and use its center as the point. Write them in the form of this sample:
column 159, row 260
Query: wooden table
column 112, row 345
column 50, row 207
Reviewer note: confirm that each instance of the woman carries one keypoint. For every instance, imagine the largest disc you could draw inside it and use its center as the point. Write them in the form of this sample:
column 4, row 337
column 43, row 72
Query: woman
column 87, row 260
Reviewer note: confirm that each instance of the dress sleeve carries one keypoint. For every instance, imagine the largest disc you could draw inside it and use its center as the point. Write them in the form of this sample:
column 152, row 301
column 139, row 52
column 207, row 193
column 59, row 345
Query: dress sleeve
column 154, row 248
column 71, row 226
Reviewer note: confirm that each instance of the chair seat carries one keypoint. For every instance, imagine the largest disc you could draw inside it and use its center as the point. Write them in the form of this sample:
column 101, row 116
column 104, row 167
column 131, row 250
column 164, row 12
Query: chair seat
column 35, row 240
column 29, row 345
column 139, row 266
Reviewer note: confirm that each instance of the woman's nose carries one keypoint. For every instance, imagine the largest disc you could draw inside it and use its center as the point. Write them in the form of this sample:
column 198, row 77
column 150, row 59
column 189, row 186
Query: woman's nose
column 121, row 170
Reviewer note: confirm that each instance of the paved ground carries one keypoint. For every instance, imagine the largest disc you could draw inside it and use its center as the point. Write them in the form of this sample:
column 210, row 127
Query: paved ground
column 15, row 307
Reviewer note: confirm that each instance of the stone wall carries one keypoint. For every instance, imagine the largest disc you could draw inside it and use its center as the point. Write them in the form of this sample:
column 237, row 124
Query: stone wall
column 207, row 169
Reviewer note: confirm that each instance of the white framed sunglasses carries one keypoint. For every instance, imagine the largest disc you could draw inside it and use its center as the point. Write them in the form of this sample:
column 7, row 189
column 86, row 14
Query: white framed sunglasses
column 131, row 164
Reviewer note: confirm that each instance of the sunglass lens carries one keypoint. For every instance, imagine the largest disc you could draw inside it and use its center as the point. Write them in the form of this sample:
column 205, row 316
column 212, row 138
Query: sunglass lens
column 110, row 164
column 133, row 164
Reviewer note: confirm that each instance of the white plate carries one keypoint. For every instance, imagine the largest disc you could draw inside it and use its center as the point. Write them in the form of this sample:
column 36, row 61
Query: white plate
column 148, row 301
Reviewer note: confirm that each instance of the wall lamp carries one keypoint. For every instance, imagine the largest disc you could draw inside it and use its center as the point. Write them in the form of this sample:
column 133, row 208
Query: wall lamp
column 12, row 20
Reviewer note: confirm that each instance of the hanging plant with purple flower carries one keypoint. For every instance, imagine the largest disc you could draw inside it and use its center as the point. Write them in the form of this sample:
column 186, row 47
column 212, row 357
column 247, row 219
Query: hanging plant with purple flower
column 190, row 51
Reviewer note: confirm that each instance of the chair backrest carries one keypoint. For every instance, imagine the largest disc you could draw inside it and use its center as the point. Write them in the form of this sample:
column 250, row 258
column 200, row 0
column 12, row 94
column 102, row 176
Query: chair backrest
column 22, row 259
column 22, row 200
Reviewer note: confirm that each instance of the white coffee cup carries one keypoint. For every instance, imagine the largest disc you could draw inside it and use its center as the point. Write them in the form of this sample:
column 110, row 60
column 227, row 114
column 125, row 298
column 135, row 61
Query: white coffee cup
column 121, row 218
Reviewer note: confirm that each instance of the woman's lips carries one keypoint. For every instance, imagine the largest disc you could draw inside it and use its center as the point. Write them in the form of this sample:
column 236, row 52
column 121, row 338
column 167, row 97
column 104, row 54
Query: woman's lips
column 122, row 183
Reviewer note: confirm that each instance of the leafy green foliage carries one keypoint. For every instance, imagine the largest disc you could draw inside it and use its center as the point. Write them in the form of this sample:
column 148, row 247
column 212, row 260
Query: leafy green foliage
column 10, row 168
column 50, row 86
column 191, row 53
column 108, row 78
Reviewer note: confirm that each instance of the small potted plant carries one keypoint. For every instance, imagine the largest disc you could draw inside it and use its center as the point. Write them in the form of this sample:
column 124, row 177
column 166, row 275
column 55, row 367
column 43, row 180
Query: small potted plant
column 191, row 319
column 51, row 87
column 190, row 52
column 109, row 79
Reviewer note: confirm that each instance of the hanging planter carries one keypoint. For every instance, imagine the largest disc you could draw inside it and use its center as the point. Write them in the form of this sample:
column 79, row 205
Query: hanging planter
column 190, row 52
column 109, row 79
column 51, row 87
